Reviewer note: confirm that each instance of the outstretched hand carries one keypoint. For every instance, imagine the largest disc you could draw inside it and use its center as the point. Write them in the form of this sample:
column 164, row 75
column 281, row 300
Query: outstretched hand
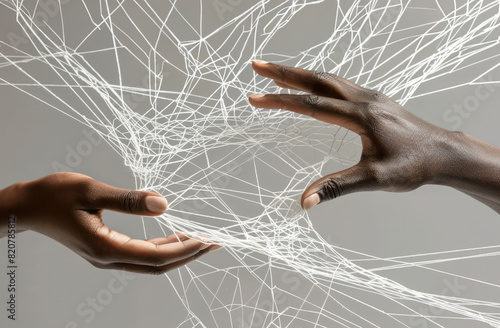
column 68, row 207
column 401, row 152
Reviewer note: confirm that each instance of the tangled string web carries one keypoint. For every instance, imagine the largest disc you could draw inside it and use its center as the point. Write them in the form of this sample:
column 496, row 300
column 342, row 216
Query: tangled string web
column 167, row 89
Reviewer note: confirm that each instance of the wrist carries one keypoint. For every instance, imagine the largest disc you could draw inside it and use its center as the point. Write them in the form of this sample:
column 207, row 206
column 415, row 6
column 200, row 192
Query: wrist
column 468, row 163
column 450, row 155
column 11, row 205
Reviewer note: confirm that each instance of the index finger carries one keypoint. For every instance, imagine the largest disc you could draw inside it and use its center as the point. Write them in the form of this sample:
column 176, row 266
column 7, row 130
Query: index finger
column 314, row 82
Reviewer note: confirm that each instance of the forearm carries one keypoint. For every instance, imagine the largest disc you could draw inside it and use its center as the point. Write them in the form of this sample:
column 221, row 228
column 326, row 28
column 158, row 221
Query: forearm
column 473, row 167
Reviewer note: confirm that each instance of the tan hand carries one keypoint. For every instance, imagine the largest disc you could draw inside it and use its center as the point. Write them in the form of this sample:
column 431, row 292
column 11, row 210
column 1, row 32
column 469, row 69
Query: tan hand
column 68, row 207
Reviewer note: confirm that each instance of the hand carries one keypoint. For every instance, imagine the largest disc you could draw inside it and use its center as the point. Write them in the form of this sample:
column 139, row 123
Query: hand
column 401, row 152
column 68, row 207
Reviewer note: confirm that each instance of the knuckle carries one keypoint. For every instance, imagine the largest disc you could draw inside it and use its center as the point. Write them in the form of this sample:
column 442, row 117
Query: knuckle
column 374, row 109
column 129, row 201
column 283, row 72
column 364, row 114
column 380, row 114
column 312, row 101
column 330, row 189
column 322, row 77
column 377, row 96
column 459, row 135
column 282, row 102
column 371, row 114
column 320, row 81
column 363, row 107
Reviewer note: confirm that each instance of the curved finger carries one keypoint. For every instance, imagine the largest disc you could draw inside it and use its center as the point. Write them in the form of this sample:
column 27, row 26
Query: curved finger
column 177, row 236
column 329, row 110
column 314, row 82
column 354, row 179
column 118, row 247
column 156, row 270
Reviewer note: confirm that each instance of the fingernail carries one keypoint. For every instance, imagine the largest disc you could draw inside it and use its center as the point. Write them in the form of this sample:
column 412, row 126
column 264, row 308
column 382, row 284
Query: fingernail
column 213, row 248
column 156, row 204
column 259, row 61
column 257, row 96
column 310, row 201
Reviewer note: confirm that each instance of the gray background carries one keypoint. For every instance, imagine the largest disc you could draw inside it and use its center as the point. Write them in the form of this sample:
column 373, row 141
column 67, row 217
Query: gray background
column 53, row 281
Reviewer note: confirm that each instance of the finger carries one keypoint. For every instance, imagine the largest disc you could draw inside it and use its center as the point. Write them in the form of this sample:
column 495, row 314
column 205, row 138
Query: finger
column 121, row 248
column 127, row 201
column 177, row 236
column 330, row 110
column 338, row 184
column 169, row 239
column 145, row 269
column 314, row 82
column 285, row 86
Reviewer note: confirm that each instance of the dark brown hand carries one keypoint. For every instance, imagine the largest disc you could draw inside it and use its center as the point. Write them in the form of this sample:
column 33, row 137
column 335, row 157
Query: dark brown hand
column 401, row 151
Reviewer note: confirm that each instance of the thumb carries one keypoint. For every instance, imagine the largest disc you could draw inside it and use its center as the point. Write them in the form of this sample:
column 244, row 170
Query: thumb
column 128, row 201
column 332, row 186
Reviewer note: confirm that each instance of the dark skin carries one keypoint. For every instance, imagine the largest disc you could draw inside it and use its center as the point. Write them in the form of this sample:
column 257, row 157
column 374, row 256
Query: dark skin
column 68, row 208
column 401, row 152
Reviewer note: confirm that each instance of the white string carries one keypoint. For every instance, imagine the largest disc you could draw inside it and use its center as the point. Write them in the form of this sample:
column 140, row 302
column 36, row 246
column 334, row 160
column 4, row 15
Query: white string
column 235, row 173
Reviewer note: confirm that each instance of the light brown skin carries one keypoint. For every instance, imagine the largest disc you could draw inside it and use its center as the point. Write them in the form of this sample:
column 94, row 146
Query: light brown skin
column 401, row 152
column 68, row 208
